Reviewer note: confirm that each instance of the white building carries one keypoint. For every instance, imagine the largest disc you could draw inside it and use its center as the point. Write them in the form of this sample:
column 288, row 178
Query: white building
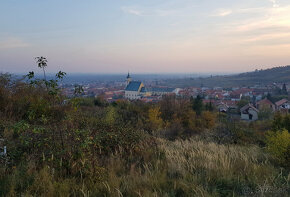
column 134, row 89
column 249, row 112
column 283, row 104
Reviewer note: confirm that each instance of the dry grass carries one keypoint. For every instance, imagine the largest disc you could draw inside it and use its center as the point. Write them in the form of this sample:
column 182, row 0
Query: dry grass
column 212, row 167
column 198, row 168
column 180, row 168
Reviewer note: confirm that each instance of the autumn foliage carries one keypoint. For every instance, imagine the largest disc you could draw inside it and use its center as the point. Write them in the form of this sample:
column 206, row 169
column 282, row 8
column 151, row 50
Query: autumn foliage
column 87, row 147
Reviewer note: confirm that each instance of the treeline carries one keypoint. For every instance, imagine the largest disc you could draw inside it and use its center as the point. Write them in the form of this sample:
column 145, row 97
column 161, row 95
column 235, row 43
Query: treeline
column 89, row 147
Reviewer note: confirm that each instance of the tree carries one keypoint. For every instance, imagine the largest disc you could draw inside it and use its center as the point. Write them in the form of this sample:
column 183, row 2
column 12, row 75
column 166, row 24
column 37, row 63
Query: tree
column 270, row 98
column 188, row 119
column 42, row 63
column 284, row 90
column 168, row 107
column 281, row 122
column 242, row 103
column 278, row 143
column 155, row 119
column 209, row 106
column 197, row 104
column 265, row 113
column 78, row 90
column 208, row 119
column 52, row 84
column 100, row 101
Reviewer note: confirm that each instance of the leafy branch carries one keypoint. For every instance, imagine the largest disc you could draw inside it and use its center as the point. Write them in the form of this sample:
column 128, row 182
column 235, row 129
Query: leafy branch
column 52, row 84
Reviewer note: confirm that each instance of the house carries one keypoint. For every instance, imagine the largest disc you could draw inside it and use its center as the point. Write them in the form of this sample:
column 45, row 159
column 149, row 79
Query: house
column 235, row 96
column 231, row 104
column 222, row 107
column 265, row 104
column 282, row 105
column 249, row 112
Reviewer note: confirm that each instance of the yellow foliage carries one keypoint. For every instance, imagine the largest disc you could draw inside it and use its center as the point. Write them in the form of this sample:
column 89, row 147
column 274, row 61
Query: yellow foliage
column 111, row 115
column 278, row 143
column 209, row 119
column 188, row 119
column 155, row 118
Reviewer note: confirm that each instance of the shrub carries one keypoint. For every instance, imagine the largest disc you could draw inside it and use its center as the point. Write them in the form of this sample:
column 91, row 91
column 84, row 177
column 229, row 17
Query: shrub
column 278, row 143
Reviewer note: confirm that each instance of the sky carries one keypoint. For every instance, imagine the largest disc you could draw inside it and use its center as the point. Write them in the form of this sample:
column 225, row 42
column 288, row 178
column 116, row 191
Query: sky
column 144, row 36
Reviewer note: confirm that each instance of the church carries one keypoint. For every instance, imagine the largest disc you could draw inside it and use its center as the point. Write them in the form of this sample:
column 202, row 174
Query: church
column 135, row 90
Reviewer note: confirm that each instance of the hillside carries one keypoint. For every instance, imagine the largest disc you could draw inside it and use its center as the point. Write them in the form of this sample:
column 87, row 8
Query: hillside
column 277, row 74
column 176, row 147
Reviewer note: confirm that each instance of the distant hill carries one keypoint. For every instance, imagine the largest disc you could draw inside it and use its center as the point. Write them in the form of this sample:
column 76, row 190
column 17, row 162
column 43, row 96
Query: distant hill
column 267, row 76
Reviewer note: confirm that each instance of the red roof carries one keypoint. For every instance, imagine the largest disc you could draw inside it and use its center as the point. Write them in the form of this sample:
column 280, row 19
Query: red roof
column 281, row 102
column 230, row 103
column 265, row 101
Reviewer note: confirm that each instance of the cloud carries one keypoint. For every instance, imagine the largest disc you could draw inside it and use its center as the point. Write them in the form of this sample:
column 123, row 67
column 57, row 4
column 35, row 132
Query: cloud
column 222, row 12
column 271, row 36
column 13, row 42
column 264, row 26
column 149, row 11
column 275, row 3
column 131, row 10
column 273, row 18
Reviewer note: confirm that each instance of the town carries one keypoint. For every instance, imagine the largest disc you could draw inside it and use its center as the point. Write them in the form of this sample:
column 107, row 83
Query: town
column 245, row 103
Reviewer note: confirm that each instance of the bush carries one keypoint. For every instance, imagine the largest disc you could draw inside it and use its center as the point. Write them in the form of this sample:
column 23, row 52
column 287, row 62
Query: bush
column 278, row 143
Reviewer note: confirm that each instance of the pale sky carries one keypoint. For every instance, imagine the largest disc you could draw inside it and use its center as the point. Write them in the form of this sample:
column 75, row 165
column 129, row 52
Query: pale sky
column 144, row 36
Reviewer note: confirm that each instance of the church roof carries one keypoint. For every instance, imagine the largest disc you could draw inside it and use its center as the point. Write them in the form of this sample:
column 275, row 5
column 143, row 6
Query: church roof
column 133, row 86
column 162, row 89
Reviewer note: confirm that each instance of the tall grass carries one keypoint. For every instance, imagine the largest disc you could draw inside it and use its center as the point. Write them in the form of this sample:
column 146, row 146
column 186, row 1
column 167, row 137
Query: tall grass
column 198, row 168
column 222, row 169
column 180, row 168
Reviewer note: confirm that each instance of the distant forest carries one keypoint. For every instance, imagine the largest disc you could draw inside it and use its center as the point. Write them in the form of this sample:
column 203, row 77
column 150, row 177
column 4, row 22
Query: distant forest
column 267, row 76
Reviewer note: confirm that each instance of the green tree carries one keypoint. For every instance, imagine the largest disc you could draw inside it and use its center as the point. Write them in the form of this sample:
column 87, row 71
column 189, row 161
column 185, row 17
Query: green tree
column 265, row 114
column 209, row 106
column 281, row 121
column 270, row 98
column 100, row 101
column 242, row 103
column 197, row 104
column 284, row 90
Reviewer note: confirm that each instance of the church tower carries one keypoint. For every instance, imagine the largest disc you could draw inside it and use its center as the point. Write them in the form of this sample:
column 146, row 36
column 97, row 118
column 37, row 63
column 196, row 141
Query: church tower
column 129, row 79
